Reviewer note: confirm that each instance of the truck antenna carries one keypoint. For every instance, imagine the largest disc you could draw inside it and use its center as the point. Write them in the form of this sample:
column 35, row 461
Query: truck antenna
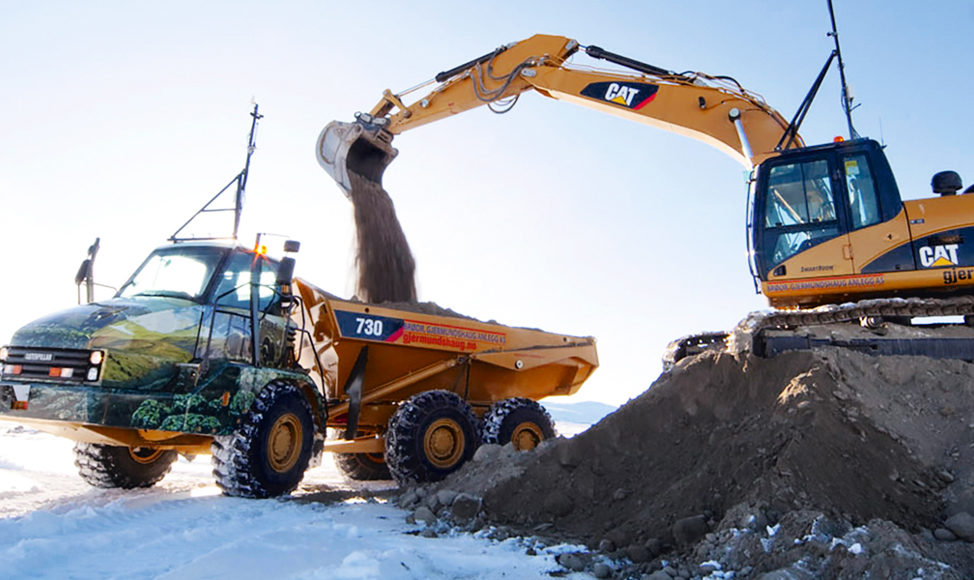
column 846, row 93
column 240, row 180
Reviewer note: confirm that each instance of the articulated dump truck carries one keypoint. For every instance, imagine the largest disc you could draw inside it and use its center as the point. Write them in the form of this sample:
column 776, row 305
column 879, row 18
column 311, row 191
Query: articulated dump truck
column 214, row 348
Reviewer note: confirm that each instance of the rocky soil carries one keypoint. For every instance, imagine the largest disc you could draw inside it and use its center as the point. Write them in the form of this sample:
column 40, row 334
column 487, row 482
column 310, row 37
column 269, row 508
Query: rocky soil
column 816, row 464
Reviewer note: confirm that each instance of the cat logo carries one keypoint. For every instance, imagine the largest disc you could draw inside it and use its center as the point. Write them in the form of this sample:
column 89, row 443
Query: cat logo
column 633, row 96
column 621, row 94
column 938, row 256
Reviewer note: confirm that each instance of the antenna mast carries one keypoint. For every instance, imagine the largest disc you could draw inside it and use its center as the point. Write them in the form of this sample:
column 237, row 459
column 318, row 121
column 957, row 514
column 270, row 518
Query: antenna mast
column 240, row 180
column 846, row 95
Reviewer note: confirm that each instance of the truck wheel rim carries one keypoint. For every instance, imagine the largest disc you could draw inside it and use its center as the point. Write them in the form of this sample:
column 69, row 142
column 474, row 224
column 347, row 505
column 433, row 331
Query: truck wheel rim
column 284, row 443
column 444, row 443
column 145, row 455
column 527, row 436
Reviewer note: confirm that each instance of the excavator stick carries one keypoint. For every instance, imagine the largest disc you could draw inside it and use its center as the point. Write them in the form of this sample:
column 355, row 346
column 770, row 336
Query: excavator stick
column 363, row 147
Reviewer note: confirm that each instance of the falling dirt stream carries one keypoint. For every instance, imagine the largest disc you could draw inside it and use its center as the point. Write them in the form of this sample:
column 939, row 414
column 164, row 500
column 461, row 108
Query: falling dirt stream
column 386, row 267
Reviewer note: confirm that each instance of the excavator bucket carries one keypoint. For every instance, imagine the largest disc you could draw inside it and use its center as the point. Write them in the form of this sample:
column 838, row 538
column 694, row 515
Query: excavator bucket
column 360, row 147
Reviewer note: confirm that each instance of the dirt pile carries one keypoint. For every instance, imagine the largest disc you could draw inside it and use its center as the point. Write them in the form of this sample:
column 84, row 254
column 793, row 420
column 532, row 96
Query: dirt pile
column 805, row 461
column 386, row 267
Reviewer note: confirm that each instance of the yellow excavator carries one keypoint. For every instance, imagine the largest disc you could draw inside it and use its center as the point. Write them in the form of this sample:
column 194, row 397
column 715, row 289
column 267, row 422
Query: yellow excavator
column 827, row 225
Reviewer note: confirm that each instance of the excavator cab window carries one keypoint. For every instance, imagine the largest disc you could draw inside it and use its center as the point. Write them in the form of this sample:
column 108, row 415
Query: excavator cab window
column 800, row 193
column 799, row 208
column 864, row 205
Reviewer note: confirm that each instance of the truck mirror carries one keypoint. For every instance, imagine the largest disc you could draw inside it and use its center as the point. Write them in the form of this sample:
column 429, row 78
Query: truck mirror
column 285, row 272
column 83, row 272
column 292, row 246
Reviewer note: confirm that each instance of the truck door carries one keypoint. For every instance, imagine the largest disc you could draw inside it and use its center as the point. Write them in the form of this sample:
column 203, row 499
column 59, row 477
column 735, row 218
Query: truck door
column 230, row 337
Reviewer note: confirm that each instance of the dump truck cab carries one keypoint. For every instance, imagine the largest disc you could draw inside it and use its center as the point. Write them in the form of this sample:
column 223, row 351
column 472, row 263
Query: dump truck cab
column 171, row 354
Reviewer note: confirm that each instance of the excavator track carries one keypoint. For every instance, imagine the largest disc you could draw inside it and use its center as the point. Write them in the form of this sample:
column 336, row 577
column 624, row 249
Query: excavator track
column 855, row 311
column 770, row 333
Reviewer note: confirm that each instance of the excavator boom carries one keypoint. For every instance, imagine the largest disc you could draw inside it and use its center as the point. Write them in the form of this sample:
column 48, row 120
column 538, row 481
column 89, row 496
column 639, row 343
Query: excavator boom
column 713, row 109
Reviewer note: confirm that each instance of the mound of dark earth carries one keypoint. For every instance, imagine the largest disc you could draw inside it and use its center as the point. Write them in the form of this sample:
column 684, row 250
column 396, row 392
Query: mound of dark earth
column 827, row 463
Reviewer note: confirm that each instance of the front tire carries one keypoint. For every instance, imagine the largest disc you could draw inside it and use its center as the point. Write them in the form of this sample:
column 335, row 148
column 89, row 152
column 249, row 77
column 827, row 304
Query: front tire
column 123, row 467
column 430, row 436
column 268, row 453
column 522, row 422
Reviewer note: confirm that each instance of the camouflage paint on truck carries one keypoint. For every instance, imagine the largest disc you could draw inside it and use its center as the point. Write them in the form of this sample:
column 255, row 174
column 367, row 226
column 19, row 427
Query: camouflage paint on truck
column 169, row 364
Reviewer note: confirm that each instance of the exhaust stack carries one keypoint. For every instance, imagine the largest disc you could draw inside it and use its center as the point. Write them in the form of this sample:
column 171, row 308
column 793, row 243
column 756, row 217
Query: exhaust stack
column 363, row 147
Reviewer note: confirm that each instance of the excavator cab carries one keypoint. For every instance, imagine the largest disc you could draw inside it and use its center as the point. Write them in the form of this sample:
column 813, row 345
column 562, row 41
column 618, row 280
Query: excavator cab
column 362, row 147
column 810, row 206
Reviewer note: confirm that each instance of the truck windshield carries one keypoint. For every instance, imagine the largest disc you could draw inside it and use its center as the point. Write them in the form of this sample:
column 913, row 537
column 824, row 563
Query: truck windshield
column 181, row 272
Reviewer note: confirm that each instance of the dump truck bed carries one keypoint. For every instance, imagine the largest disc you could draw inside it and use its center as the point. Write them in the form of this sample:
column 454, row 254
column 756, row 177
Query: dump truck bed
column 412, row 348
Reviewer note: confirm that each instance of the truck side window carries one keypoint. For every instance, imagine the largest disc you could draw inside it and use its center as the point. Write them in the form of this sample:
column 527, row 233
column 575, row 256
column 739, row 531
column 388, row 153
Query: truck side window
column 234, row 288
column 863, row 201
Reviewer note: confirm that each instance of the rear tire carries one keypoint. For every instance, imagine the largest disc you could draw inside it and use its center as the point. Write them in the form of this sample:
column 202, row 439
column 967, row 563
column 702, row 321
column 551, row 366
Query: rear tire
column 109, row 466
column 361, row 466
column 522, row 422
column 430, row 436
column 268, row 453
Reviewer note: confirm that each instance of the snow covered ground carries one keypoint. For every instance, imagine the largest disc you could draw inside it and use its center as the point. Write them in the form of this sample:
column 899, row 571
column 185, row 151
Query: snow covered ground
column 53, row 525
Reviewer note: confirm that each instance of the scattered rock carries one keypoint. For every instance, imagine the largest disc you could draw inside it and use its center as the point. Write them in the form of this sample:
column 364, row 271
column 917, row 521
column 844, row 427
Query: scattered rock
column 565, row 456
column 654, row 547
column 786, row 574
column 606, row 546
column 446, row 496
column 638, row 554
column 944, row 535
column 487, row 453
column 465, row 506
column 962, row 525
column 572, row 562
column 425, row 515
column 708, row 568
column 689, row 530
column 558, row 504
column 409, row 499
column 601, row 570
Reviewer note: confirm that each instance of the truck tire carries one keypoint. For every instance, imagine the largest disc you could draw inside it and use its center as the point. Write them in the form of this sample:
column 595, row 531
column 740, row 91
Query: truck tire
column 267, row 454
column 124, row 467
column 430, row 436
column 519, row 421
column 361, row 466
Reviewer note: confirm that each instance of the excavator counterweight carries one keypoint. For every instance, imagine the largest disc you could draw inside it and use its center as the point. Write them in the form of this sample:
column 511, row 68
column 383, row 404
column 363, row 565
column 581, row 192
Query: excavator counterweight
column 361, row 147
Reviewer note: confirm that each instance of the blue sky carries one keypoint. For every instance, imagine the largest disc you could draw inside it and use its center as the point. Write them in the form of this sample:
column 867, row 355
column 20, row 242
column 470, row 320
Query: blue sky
column 120, row 119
